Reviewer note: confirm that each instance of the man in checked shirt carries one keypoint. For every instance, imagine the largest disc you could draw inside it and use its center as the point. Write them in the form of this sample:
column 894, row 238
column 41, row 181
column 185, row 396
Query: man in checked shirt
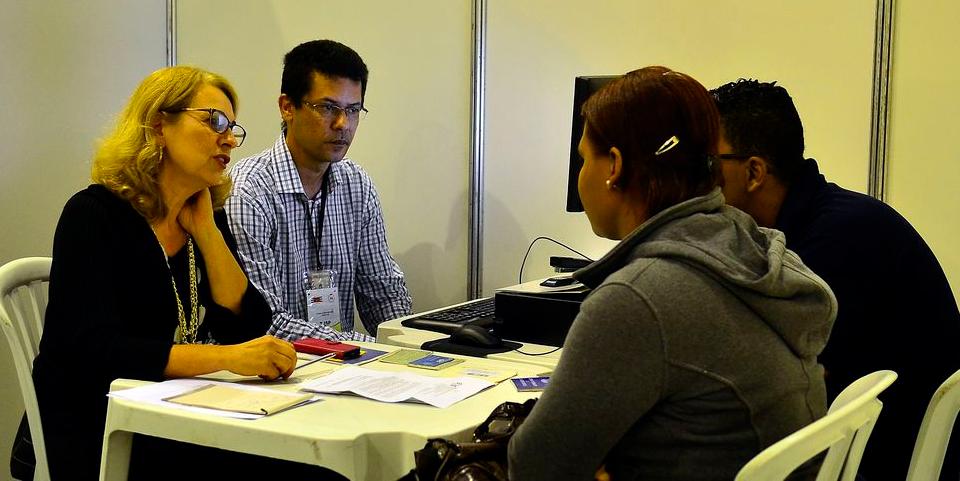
column 301, row 209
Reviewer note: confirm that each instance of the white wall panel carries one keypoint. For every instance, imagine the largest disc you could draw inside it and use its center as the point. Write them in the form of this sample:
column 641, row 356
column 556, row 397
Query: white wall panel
column 414, row 142
column 924, row 162
column 821, row 51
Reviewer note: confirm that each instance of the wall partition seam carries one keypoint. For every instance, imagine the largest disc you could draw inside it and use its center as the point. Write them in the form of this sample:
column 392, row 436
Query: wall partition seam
column 171, row 32
column 882, row 63
column 478, row 80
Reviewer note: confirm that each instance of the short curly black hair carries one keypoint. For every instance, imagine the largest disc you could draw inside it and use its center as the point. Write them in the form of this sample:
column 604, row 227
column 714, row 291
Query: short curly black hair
column 759, row 118
column 326, row 57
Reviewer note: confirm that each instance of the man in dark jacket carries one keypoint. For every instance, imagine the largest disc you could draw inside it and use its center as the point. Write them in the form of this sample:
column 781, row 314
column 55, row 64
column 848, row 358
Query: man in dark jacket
column 896, row 308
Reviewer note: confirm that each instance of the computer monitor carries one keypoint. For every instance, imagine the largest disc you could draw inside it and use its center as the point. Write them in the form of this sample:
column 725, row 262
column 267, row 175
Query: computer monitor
column 583, row 88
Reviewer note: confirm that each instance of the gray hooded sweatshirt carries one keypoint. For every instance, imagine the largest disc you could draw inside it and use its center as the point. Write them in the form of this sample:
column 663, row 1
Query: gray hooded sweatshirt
column 695, row 351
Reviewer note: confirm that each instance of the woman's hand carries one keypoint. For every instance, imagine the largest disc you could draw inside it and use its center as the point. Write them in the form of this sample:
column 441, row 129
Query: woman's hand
column 266, row 356
column 196, row 216
column 227, row 281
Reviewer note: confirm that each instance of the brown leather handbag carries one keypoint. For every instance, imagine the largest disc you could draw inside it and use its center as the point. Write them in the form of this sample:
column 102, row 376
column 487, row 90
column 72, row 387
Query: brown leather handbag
column 485, row 459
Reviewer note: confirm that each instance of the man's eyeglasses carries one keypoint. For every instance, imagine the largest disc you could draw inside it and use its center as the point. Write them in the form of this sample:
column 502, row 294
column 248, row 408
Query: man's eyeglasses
column 330, row 111
column 734, row 156
column 219, row 122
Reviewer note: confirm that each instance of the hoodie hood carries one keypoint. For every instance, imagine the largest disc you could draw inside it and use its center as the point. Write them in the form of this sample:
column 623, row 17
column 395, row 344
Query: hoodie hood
column 751, row 261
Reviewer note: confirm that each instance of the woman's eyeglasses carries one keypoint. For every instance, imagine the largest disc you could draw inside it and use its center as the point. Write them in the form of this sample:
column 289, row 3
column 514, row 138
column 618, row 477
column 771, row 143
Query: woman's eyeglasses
column 219, row 122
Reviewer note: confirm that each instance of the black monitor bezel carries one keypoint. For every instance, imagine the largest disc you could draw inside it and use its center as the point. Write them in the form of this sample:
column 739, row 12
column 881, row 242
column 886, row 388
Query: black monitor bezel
column 583, row 87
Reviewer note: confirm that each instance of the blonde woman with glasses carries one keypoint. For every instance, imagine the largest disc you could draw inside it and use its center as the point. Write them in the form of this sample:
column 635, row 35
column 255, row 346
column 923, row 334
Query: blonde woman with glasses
column 145, row 282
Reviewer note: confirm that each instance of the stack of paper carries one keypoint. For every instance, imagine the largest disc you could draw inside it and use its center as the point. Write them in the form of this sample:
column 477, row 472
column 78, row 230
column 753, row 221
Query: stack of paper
column 217, row 398
column 233, row 398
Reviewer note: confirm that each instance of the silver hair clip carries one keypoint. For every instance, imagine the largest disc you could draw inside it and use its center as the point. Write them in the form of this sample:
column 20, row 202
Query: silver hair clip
column 669, row 144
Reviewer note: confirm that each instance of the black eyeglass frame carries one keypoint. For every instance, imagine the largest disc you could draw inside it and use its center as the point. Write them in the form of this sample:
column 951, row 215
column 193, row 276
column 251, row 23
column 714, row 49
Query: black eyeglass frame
column 214, row 113
column 353, row 114
column 734, row 156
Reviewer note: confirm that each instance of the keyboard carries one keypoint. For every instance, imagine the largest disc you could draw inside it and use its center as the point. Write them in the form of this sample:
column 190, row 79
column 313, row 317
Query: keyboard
column 447, row 321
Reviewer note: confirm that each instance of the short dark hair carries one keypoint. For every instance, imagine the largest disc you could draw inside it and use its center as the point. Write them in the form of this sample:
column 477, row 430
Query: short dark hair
column 640, row 111
column 326, row 57
column 759, row 118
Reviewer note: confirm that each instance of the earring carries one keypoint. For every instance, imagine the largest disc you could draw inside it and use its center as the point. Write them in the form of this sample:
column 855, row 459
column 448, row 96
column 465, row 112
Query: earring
column 611, row 185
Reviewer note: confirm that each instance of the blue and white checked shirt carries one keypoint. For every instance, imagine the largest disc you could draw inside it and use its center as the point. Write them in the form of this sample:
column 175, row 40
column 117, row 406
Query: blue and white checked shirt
column 268, row 214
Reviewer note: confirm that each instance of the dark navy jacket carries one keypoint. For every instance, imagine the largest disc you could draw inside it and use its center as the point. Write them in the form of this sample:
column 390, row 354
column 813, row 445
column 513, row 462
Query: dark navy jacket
column 896, row 309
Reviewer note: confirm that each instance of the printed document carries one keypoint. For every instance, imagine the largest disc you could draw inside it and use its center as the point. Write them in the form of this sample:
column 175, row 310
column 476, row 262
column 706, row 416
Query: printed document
column 395, row 387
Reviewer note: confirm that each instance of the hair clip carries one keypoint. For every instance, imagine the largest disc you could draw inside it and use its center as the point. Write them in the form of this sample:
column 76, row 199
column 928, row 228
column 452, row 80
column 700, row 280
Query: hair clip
column 669, row 144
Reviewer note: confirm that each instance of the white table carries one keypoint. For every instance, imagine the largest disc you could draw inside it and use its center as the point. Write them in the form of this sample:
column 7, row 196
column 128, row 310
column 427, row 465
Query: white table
column 359, row 438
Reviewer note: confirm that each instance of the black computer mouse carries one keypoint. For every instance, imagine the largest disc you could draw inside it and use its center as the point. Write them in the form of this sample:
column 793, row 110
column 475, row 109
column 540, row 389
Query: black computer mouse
column 559, row 281
column 472, row 335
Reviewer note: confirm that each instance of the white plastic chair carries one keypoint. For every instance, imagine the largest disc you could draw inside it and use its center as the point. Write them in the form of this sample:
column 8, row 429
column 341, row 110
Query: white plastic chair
column 23, row 303
column 935, row 431
column 843, row 433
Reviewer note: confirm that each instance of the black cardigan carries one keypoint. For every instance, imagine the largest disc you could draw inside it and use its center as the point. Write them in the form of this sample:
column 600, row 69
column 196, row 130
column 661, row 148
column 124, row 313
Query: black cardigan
column 112, row 314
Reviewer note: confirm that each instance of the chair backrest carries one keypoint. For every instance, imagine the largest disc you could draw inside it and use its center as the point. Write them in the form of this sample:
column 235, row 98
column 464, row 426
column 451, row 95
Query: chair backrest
column 935, row 431
column 23, row 304
column 842, row 433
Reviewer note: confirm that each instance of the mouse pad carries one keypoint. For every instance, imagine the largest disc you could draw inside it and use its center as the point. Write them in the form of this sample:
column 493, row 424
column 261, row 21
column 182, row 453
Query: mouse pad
column 444, row 345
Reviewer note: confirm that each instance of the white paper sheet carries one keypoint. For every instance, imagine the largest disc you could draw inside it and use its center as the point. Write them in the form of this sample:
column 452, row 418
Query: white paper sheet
column 398, row 386
column 157, row 392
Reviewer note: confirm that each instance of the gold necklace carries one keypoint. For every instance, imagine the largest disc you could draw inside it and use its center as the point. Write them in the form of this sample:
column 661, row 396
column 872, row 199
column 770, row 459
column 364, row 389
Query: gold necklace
column 186, row 333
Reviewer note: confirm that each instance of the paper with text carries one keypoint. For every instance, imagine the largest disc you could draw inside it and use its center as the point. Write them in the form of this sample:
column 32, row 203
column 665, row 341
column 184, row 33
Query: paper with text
column 398, row 386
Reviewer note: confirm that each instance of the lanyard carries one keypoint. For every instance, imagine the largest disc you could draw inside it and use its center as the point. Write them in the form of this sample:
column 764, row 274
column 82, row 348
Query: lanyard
column 318, row 236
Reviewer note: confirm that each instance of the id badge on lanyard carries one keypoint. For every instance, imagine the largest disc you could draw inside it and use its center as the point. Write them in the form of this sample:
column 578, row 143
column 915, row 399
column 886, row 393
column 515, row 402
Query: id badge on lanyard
column 323, row 301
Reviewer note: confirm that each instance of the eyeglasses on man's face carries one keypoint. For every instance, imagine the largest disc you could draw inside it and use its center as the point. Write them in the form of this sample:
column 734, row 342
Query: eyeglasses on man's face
column 219, row 123
column 330, row 111
column 734, row 156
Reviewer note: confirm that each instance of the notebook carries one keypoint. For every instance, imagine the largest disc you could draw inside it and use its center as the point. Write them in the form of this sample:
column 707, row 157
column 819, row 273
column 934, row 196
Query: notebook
column 230, row 398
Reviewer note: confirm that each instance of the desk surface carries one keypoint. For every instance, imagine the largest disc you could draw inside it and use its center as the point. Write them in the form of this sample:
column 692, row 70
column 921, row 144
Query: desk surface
column 357, row 437
column 394, row 333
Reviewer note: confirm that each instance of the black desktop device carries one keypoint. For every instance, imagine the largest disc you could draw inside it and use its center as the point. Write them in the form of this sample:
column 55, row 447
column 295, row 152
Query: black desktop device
column 539, row 318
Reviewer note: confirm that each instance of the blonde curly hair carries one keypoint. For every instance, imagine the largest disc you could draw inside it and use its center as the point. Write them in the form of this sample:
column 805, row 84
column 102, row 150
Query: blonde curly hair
column 127, row 161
